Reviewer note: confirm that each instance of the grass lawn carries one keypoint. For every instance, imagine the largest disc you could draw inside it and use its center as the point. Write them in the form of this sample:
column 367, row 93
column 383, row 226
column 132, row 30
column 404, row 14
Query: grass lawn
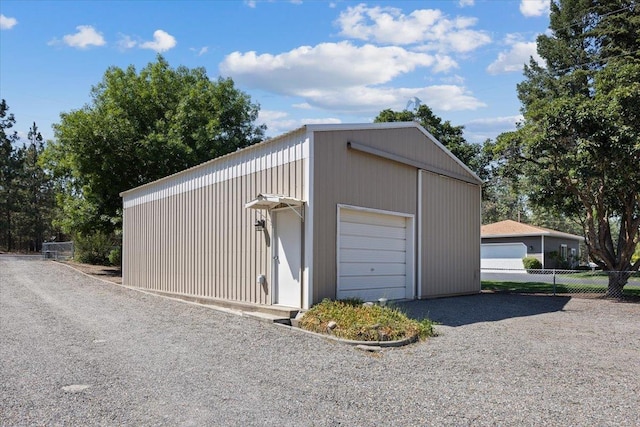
column 350, row 319
column 635, row 277
column 538, row 287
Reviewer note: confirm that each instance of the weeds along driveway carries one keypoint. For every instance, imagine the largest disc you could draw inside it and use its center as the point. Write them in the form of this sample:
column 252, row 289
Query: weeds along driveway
column 77, row 351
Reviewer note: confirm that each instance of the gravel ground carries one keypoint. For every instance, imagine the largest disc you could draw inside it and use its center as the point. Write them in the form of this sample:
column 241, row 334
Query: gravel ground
column 78, row 351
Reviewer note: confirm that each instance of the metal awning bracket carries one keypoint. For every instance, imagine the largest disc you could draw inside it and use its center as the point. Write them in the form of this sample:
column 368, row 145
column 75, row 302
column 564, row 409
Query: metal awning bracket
column 270, row 201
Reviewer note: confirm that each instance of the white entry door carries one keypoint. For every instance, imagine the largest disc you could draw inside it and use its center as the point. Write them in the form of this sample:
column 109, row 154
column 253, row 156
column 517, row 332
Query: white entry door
column 287, row 258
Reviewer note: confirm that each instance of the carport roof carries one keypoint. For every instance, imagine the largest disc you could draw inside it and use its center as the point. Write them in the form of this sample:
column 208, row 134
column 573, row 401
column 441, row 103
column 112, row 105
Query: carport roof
column 511, row 228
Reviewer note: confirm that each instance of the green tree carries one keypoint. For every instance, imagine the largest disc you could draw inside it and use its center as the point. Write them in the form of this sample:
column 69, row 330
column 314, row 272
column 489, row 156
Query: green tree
column 140, row 127
column 9, row 170
column 26, row 197
column 35, row 195
column 579, row 146
column 450, row 136
column 502, row 194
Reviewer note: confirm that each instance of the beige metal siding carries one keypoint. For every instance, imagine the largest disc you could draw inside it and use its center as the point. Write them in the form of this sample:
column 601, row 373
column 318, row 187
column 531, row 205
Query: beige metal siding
column 450, row 236
column 191, row 234
column 409, row 143
column 343, row 176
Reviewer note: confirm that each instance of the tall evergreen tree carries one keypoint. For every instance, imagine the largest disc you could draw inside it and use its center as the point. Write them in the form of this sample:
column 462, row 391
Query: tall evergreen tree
column 9, row 170
column 579, row 144
column 35, row 194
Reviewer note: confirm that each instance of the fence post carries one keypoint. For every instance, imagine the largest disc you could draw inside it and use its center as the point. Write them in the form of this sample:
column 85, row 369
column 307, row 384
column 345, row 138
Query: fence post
column 554, row 282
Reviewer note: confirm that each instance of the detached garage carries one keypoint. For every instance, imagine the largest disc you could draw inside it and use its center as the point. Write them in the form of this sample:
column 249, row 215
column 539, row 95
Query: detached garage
column 326, row 211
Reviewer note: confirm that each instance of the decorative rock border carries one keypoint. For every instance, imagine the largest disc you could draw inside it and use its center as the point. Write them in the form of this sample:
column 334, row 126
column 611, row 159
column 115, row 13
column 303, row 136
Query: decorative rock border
column 362, row 345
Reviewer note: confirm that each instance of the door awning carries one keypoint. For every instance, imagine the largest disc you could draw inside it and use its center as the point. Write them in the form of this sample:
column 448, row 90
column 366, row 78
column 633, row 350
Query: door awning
column 270, row 201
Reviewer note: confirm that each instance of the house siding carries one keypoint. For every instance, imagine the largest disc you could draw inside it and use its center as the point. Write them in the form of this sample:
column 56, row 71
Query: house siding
column 450, row 236
column 450, row 211
column 344, row 176
column 535, row 246
column 190, row 233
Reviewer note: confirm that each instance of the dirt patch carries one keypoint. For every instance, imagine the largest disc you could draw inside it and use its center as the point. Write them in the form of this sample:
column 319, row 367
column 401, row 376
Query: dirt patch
column 112, row 274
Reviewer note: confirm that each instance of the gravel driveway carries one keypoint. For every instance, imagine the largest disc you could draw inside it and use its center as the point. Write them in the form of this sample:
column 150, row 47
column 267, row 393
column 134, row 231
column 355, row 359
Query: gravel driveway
column 78, row 351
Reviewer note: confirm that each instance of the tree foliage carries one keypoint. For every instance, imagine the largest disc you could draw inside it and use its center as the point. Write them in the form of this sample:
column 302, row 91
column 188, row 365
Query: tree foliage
column 139, row 127
column 579, row 145
column 499, row 200
column 26, row 196
column 450, row 136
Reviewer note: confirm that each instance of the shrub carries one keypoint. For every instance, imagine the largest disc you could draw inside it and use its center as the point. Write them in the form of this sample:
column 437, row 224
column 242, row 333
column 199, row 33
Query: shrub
column 115, row 256
column 93, row 248
column 356, row 321
column 531, row 263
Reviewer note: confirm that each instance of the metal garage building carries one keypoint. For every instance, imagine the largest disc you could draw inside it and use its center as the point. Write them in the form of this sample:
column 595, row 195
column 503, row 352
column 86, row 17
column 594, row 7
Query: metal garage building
column 326, row 211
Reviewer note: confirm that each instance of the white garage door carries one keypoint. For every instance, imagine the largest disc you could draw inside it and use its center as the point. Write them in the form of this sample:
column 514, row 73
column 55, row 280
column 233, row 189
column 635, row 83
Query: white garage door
column 499, row 256
column 373, row 257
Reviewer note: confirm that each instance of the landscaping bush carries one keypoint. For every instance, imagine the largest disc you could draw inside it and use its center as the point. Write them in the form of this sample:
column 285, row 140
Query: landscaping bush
column 93, row 249
column 531, row 263
column 115, row 256
column 356, row 321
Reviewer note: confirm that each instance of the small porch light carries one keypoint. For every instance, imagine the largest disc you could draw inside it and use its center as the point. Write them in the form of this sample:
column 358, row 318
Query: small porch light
column 259, row 225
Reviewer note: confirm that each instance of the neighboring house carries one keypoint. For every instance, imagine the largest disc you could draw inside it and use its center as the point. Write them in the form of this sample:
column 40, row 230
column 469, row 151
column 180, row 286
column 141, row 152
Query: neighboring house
column 325, row 211
column 505, row 243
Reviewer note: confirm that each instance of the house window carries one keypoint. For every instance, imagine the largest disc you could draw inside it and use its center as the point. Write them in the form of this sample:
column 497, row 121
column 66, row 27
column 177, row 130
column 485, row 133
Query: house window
column 563, row 252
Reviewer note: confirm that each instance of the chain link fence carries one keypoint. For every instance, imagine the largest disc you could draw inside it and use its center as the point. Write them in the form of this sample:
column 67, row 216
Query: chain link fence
column 587, row 283
column 57, row 250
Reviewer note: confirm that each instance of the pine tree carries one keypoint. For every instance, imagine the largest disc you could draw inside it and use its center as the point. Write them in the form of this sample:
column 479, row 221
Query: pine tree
column 579, row 146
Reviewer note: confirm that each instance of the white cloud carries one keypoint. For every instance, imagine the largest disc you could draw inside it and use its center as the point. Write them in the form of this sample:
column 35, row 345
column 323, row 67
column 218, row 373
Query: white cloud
column 279, row 122
column 344, row 77
column 514, row 59
column 85, row 37
column 531, row 8
column 7, row 23
column 303, row 106
column 455, row 79
column 201, row 51
column 125, row 42
column 465, row 3
column 428, row 27
column 162, row 42
column 479, row 130
column 327, row 65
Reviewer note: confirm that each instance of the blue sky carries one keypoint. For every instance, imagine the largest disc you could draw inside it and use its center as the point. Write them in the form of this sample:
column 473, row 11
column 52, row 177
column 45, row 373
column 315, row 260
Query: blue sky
column 301, row 61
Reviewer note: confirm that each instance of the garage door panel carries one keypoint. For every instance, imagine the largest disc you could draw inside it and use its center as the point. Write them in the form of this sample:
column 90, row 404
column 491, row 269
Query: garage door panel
column 502, row 256
column 351, row 229
column 373, row 294
column 361, row 217
column 373, row 282
column 358, row 242
column 372, row 269
column 372, row 256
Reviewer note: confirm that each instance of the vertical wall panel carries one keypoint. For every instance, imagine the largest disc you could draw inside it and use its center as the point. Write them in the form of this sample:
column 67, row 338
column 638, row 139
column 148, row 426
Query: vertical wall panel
column 343, row 176
column 450, row 236
column 451, row 232
column 191, row 234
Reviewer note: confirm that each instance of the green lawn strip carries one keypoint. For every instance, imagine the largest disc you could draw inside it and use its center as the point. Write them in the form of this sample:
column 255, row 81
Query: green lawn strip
column 355, row 321
column 635, row 277
column 539, row 287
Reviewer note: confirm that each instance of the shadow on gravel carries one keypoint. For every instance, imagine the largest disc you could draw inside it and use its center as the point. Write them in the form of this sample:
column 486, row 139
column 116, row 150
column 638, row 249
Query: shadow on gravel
column 465, row 310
